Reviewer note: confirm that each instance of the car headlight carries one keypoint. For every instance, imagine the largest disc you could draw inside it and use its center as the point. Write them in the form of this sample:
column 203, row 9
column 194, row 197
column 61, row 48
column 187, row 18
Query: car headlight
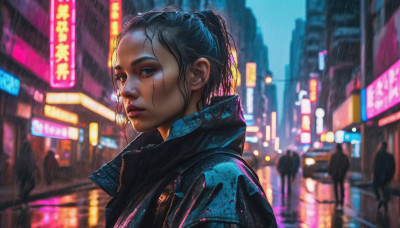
column 309, row 161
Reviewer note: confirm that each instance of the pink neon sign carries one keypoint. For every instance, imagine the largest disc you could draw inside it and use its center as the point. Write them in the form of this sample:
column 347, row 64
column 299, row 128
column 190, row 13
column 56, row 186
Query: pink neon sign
column 384, row 92
column 62, row 43
column 45, row 128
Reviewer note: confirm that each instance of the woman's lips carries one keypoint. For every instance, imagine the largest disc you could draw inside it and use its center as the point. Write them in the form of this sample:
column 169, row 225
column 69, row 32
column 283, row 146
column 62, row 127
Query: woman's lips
column 133, row 111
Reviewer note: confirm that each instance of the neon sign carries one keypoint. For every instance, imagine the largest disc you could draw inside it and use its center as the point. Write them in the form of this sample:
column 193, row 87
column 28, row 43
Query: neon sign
column 252, row 129
column 236, row 76
column 82, row 99
column 313, row 89
column 60, row 114
column 115, row 25
column 389, row 119
column 62, row 43
column 108, row 142
column 9, row 83
column 251, row 69
column 322, row 59
column 306, row 122
column 305, row 137
column 273, row 125
column 305, row 106
column 93, row 133
column 49, row 129
column 384, row 92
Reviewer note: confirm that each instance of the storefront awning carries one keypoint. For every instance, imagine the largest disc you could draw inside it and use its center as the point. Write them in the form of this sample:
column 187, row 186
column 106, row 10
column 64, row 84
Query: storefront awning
column 80, row 99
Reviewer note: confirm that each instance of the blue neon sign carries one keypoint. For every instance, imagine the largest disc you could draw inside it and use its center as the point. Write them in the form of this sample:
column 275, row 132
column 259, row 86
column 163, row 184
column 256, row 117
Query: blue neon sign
column 9, row 83
column 364, row 105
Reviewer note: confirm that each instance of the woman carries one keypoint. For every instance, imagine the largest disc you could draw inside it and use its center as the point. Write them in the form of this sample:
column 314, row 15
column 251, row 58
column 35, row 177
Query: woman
column 185, row 168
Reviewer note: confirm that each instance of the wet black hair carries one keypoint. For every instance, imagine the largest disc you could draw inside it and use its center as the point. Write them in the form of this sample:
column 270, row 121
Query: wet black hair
column 189, row 36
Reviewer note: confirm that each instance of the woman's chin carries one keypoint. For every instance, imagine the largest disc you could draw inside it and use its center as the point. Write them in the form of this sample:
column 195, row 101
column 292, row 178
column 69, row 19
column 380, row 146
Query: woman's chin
column 140, row 128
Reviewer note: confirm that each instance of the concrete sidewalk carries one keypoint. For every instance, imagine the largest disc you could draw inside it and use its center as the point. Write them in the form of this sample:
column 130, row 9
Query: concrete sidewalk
column 360, row 181
column 9, row 194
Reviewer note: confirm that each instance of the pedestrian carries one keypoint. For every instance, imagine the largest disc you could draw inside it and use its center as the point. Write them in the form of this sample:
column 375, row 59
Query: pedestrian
column 383, row 172
column 285, row 167
column 25, row 168
column 4, row 165
column 172, row 71
column 50, row 166
column 338, row 166
column 296, row 164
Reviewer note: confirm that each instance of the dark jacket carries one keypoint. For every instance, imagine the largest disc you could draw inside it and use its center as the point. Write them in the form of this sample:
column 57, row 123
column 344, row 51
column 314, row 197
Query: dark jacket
column 194, row 178
column 338, row 166
column 25, row 164
column 383, row 168
column 285, row 165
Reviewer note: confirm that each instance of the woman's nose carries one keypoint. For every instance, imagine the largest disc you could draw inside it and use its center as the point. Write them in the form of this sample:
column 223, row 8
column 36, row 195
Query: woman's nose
column 130, row 90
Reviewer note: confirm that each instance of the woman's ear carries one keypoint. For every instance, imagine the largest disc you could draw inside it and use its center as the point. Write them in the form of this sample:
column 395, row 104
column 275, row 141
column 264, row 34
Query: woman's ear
column 199, row 74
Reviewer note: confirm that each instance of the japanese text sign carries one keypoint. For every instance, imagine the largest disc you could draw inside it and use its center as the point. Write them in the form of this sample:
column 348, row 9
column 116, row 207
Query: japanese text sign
column 115, row 25
column 384, row 92
column 62, row 43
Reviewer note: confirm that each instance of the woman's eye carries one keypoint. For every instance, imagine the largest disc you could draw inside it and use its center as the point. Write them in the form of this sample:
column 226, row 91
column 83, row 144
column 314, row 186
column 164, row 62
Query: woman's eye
column 146, row 72
column 121, row 77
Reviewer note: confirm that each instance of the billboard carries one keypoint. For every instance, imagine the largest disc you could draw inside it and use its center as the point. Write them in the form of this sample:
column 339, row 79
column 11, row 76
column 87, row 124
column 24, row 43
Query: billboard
column 62, row 43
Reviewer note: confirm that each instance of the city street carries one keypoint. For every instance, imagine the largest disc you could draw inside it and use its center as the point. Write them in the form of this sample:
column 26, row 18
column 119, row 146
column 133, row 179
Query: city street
column 81, row 209
column 311, row 204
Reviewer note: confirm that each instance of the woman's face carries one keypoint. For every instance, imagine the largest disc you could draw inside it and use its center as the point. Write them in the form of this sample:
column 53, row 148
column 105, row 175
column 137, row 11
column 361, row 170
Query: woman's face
column 147, row 75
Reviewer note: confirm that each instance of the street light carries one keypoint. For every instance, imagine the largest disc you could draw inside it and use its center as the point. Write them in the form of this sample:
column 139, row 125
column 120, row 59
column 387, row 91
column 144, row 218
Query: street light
column 268, row 79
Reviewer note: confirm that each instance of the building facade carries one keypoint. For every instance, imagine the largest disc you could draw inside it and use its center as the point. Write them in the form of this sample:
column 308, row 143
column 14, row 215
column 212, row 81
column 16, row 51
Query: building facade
column 32, row 103
column 380, row 74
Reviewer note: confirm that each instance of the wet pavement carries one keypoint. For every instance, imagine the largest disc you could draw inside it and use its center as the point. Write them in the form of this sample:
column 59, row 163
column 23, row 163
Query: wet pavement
column 81, row 209
column 311, row 204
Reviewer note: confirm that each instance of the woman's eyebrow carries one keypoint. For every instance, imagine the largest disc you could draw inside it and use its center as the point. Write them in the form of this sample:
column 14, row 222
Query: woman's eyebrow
column 141, row 59
column 137, row 61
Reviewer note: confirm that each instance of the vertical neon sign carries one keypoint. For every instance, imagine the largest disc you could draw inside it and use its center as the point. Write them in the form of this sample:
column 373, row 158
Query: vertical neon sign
column 313, row 89
column 115, row 25
column 62, row 43
column 251, row 75
column 273, row 125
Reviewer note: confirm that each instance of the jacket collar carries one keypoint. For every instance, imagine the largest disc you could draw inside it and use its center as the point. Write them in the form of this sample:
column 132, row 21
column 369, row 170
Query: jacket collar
column 219, row 126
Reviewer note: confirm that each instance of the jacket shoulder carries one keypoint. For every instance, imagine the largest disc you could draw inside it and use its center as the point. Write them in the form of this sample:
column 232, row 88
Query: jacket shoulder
column 220, row 188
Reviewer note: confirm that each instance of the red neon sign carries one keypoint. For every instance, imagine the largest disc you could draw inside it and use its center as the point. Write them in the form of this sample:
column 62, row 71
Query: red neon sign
column 313, row 89
column 115, row 25
column 62, row 43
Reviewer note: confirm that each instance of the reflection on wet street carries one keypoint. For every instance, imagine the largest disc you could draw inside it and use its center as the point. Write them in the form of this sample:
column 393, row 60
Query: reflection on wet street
column 81, row 209
column 312, row 204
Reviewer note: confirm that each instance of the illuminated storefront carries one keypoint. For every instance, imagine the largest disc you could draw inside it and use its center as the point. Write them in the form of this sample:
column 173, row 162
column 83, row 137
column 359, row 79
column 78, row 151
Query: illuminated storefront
column 381, row 101
column 346, row 124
